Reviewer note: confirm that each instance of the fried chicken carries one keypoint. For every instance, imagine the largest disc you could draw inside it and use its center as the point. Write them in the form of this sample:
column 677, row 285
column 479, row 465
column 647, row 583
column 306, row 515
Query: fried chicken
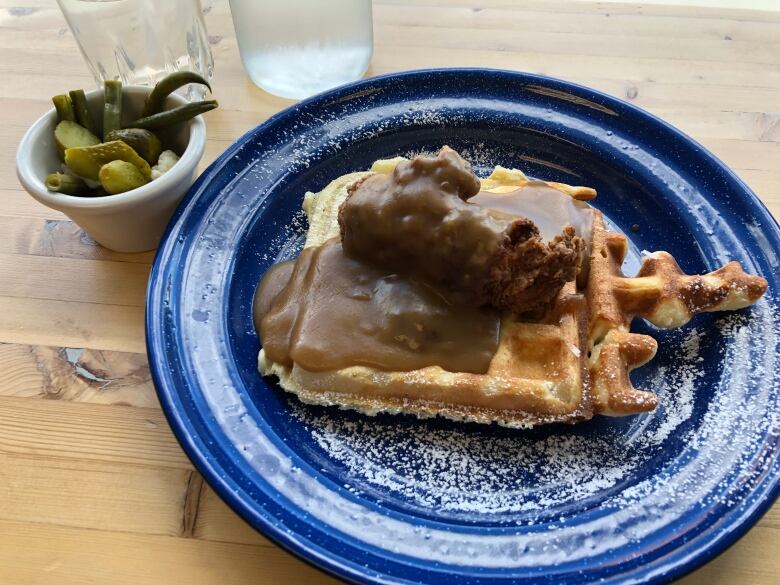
column 417, row 222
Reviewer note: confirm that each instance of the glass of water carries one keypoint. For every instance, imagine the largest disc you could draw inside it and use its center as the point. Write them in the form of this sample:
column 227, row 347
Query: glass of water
column 296, row 48
column 140, row 41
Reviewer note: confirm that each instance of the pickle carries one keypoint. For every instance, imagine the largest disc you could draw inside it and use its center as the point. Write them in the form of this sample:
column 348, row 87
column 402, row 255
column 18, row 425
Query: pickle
column 64, row 108
column 68, row 134
column 78, row 100
column 165, row 87
column 142, row 141
column 67, row 184
column 174, row 116
column 119, row 176
column 86, row 161
column 112, row 106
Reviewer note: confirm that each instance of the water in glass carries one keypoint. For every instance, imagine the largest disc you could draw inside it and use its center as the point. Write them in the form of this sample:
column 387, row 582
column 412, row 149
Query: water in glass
column 296, row 48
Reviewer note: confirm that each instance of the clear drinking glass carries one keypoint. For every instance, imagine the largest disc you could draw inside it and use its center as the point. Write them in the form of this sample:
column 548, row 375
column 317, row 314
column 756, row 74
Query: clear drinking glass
column 140, row 41
column 296, row 48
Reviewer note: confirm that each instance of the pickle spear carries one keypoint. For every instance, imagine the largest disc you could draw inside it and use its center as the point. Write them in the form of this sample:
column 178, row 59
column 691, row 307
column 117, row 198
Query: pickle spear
column 68, row 134
column 86, row 161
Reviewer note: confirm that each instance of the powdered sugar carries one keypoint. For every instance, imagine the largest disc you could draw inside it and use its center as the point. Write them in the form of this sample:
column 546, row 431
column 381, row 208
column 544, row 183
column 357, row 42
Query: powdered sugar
column 481, row 157
column 476, row 471
column 472, row 471
column 461, row 470
column 676, row 386
column 287, row 245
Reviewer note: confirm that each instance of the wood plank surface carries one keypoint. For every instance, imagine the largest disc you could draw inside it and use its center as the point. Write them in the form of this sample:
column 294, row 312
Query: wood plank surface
column 93, row 486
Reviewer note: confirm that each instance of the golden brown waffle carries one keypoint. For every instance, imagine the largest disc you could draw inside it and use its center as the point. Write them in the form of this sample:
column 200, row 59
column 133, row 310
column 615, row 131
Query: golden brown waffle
column 660, row 293
column 565, row 369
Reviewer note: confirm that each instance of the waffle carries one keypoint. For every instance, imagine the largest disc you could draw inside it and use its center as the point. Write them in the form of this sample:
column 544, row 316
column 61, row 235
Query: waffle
column 660, row 293
column 567, row 368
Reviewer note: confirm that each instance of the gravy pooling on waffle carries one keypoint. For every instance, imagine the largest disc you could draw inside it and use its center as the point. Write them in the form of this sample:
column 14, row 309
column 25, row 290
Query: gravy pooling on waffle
column 335, row 312
column 423, row 289
column 418, row 276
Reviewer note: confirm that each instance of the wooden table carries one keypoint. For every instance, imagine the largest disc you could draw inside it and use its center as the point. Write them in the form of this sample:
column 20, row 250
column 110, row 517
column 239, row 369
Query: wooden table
column 93, row 486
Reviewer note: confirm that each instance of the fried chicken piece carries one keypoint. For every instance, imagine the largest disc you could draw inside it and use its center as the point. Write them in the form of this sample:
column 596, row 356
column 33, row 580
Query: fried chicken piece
column 527, row 273
column 417, row 222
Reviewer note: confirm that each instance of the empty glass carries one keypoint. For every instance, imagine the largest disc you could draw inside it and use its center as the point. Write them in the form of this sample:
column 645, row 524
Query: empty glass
column 296, row 48
column 140, row 41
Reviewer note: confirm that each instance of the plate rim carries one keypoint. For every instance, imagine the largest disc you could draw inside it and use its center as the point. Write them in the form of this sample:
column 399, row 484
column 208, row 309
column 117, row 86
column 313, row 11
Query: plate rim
column 721, row 538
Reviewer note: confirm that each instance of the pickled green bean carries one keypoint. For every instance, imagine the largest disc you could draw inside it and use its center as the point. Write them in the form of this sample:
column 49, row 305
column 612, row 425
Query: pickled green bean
column 112, row 108
column 66, row 184
column 174, row 116
column 166, row 86
column 64, row 108
column 79, row 100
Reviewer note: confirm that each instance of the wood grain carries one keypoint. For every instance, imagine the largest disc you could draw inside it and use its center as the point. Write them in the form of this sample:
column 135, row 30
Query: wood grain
column 58, row 238
column 93, row 486
column 76, row 375
column 71, row 324
column 88, row 432
column 42, row 554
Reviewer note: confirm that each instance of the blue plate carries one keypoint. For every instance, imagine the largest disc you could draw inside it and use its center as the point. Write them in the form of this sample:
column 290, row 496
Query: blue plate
column 393, row 499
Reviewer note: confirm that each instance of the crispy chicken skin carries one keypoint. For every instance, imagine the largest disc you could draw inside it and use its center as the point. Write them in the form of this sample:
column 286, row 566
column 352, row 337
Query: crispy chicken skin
column 526, row 273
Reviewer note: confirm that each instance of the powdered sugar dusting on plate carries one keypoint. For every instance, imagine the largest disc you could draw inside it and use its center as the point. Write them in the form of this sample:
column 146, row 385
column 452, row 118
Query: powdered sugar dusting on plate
column 676, row 385
column 469, row 470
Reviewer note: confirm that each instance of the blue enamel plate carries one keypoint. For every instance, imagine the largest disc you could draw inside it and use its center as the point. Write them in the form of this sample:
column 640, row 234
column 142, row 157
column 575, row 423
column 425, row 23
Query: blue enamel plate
column 392, row 499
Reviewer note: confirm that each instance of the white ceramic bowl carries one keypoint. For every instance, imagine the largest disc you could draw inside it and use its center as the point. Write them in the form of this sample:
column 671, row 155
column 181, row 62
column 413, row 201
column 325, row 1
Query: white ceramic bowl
column 127, row 222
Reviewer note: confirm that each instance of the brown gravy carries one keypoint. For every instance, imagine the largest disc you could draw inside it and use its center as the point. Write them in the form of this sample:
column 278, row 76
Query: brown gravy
column 416, row 221
column 403, row 286
column 327, row 311
column 548, row 208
